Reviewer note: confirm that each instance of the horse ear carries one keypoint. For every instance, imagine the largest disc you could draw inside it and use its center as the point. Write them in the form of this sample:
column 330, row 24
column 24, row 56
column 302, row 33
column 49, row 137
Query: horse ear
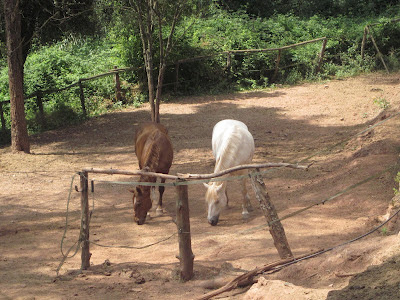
column 206, row 185
column 218, row 189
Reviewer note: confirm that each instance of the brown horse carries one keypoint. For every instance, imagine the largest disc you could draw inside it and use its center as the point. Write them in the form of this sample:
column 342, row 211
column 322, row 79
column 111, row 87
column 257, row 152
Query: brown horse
column 153, row 149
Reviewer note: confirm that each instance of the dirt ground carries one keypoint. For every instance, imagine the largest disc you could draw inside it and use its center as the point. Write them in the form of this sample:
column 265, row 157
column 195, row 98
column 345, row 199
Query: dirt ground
column 288, row 124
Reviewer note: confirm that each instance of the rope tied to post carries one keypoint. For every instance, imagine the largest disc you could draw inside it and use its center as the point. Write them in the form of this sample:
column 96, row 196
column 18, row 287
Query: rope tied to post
column 78, row 242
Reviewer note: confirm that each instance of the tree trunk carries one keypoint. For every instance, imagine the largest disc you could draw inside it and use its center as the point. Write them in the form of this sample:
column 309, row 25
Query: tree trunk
column 19, row 132
column 150, row 84
column 148, row 17
column 160, row 81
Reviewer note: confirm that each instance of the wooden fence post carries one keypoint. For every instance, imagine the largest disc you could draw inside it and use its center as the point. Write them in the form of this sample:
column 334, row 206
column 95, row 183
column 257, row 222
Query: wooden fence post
column 276, row 229
column 3, row 121
column 84, row 233
column 321, row 56
column 229, row 67
column 229, row 61
column 82, row 97
column 176, row 77
column 377, row 49
column 39, row 104
column 364, row 40
column 278, row 59
column 118, row 96
column 186, row 256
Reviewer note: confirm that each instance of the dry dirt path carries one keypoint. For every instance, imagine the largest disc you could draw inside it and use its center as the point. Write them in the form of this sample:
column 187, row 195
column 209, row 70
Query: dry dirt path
column 288, row 124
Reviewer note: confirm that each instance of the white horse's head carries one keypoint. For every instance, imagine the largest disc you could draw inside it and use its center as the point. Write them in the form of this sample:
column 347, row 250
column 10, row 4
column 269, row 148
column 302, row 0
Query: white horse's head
column 216, row 201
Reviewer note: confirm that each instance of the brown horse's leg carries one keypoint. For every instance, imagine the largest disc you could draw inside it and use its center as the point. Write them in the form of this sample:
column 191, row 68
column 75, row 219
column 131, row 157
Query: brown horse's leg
column 159, row 210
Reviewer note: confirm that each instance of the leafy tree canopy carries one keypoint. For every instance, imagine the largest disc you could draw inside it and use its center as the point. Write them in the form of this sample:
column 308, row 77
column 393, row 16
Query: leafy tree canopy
column 328, row 8
column 45, row 21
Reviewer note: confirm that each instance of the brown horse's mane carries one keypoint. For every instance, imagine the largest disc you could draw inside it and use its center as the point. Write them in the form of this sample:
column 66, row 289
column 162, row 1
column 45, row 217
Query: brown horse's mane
column 151, row 163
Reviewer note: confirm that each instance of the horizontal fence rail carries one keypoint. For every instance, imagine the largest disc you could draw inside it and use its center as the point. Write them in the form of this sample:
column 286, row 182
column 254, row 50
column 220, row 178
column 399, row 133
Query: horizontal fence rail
column 181, row 176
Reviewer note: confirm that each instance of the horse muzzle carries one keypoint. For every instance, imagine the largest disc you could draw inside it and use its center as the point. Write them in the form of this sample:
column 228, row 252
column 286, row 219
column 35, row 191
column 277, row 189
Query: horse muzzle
column 140, row 221
column 213, row 220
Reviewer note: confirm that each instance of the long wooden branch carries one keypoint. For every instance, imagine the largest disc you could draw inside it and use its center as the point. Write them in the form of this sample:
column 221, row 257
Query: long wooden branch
column 193, row 176
column 251, row 50
column 242, row 167
column 247, row 278
column 126, row 172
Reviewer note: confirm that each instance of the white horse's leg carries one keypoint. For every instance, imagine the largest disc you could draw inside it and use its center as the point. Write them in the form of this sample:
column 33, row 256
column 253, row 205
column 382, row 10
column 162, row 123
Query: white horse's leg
column 246, row 206
column 227, row 198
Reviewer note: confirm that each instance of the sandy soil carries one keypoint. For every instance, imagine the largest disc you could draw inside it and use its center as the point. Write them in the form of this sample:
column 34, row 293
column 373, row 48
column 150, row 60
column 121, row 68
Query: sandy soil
column 288, row 124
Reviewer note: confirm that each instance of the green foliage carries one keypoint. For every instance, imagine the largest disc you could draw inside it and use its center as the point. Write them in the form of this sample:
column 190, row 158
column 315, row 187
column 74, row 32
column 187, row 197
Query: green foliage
column 234, row 25
column 223, row 31
column 397, row 180
column 56, row 66
column 382, row 103
column 384, row 230
column 309, row 8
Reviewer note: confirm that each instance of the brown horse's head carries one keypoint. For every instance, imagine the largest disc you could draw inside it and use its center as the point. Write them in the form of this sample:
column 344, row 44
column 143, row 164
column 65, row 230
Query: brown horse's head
column 141, row 203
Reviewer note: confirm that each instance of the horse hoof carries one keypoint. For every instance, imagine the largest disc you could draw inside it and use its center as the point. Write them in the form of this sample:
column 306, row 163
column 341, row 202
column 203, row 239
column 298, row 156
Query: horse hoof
column 159, row 212
column 148, row 216
column 245, row 215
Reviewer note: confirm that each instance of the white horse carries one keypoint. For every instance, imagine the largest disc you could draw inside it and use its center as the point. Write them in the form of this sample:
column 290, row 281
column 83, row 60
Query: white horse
column 232, row 145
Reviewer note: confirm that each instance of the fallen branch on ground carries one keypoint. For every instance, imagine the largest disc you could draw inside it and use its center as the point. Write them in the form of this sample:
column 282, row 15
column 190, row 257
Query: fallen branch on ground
column 248, row 278
column 345, row 275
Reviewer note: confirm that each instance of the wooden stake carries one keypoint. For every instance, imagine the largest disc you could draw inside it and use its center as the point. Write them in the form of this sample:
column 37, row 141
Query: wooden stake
column 84, row 235
column 176, row 77
column 186, row 256
column 278, row 59
column 82, row 97
column 377, row 49
column 39, row 104
column 364, row 40
column 321, row 56
column 118, row 96
column 276, row 229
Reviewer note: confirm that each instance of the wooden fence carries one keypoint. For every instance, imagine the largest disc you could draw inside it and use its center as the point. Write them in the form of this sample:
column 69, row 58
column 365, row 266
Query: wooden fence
column 186, row 256
column 40, row 93
column 116, row 73
column 367, row 32
column 251, row 51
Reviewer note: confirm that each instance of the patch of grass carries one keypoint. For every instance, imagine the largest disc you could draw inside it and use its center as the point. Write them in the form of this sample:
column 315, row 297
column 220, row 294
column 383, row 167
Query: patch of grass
column 384, row 231
column 396, row 179
column 382, row 103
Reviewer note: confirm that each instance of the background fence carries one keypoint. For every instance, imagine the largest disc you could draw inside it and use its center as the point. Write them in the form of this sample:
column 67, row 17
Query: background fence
column 178, row 77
